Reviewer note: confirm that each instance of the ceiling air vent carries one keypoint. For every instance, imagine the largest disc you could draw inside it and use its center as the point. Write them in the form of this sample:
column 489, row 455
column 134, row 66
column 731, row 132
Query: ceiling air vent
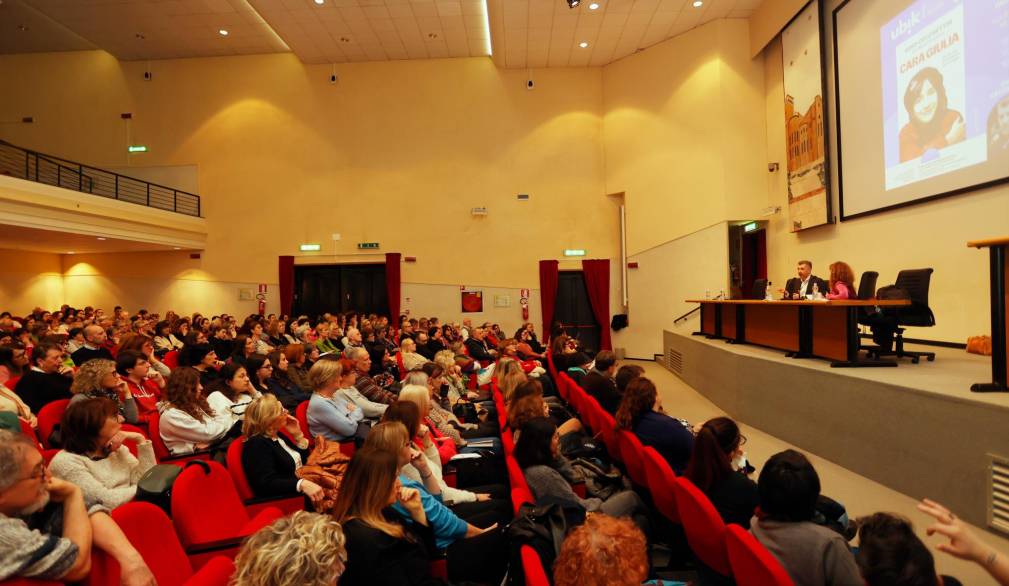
column 998, row 494
column 674, row 361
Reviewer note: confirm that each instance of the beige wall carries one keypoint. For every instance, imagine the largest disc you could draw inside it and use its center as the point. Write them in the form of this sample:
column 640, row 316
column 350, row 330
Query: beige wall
column 932, row 234
column 29, row 280
column 683, row 143
column 395, row 152
column 679, row 135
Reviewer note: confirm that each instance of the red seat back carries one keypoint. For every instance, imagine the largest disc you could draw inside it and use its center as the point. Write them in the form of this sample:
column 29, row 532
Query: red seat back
column 154, row 426
column 632, row 455
column 205, row 505
column 237, row 471
column 532, row 568
column 703, row 526
column 151, row 533
column 508, row 442
column 752, row 564
column 301, row 414
column 12, row 382
column 661, row 479
column 216, row 572
column 26, row 429
column 171, row 359
column 608, row 433
column 48, row 417
column 400, row 365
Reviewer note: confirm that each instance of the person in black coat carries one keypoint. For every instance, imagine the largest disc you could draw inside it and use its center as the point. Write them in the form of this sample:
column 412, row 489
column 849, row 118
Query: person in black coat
column 94, row 346
column 599, row 382
column 800, row 286
column 477, row 347
column 718, row 467
column 269, row 458
column 48, row 379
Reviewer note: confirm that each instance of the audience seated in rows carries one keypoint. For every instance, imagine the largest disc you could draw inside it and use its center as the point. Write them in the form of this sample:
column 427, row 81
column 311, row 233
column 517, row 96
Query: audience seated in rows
column 600, row 383
column 718, row 467
column 143, row 385
column 371, row 410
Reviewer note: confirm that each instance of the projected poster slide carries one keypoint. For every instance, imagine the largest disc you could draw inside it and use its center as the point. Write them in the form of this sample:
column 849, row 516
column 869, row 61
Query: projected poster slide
column 808, row 197
column 937, row 94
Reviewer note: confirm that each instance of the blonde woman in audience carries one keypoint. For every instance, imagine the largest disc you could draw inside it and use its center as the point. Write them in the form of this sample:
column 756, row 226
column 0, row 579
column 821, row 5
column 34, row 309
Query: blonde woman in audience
column 330, row 414
column 509, row 375
column 98, row 378
column 452, row 376
column 271, row 459
column 305, row 549
column 188, row 422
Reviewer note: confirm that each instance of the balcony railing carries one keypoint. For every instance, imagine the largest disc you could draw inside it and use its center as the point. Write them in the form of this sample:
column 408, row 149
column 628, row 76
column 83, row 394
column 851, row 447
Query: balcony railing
column 33, row 166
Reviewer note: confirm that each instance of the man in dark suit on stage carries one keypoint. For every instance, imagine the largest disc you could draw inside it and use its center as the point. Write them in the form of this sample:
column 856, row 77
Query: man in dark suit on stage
column 802, row 285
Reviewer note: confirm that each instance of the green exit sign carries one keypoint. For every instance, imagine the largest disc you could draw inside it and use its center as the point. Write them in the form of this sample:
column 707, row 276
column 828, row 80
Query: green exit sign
column 367, row 245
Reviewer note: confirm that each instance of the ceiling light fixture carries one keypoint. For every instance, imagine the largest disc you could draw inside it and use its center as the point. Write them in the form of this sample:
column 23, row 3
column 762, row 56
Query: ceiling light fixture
column 594, row 6
column 583, row 44
column 101, row 238
column 698, row 3
column 573, row 3
column 176, row 248
column 223, row 32
column 70, row 252
column 320, row 2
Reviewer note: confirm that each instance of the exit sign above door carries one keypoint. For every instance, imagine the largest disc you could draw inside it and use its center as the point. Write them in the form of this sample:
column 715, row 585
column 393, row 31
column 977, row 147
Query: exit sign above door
column 367, row 245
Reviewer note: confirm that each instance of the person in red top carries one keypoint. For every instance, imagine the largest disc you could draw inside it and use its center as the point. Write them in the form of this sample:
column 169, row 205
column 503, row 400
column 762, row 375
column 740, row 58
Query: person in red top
column 932, row 124
column 144, row 383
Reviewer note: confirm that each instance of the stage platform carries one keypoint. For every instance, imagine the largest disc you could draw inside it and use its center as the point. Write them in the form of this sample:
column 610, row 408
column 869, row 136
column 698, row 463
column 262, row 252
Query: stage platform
column 916, row 428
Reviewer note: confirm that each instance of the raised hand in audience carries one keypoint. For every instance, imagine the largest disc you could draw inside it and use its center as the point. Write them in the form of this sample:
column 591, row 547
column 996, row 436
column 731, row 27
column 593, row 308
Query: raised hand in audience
column 963, row 543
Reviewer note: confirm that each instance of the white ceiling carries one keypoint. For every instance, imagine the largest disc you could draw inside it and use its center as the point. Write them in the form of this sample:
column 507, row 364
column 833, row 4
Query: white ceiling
column 378, row 30
column 524, row 33
column 160, row 29
column 545, row 33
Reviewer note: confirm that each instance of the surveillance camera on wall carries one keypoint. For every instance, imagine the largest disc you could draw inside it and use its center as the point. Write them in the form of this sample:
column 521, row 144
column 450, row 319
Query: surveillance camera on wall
column 772, row 167
column 148, row 76
column 530, row 84
column 332, row 78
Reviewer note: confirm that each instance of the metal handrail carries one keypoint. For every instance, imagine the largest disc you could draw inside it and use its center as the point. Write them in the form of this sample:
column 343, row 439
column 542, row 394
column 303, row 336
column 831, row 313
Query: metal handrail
column 692, row 311
column 31, row 165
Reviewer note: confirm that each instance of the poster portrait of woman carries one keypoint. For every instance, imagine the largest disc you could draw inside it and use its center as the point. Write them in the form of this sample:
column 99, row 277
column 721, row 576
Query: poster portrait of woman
column 998, row 131
column 932, row 124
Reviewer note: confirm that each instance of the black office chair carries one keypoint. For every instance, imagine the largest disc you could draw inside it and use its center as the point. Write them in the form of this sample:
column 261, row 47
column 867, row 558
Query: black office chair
column 866, row 291
column 867, row 285
column 915, row 282
column 759, row 290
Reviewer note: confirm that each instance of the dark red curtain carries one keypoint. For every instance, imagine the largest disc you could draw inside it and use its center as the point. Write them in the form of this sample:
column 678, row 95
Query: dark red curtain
column 597, row 281
column 548, row 294
column 392, row 285
column 286, row 284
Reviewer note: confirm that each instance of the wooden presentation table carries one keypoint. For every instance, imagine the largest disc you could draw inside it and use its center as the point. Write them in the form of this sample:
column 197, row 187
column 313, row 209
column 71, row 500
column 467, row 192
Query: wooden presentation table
column 824, row 329
column 999, row 322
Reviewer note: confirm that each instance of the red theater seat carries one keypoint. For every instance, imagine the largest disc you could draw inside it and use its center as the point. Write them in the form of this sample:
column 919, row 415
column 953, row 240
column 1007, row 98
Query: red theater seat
column 703, row 525
column 752, row 564
column 254, row 505
column 49, row 417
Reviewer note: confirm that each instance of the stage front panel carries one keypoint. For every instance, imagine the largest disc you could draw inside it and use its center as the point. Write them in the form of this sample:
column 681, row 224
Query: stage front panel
column 770, row 324
column 830, row 332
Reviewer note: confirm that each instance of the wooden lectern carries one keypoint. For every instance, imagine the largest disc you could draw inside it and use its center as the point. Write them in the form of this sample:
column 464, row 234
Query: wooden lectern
column 999, row 324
